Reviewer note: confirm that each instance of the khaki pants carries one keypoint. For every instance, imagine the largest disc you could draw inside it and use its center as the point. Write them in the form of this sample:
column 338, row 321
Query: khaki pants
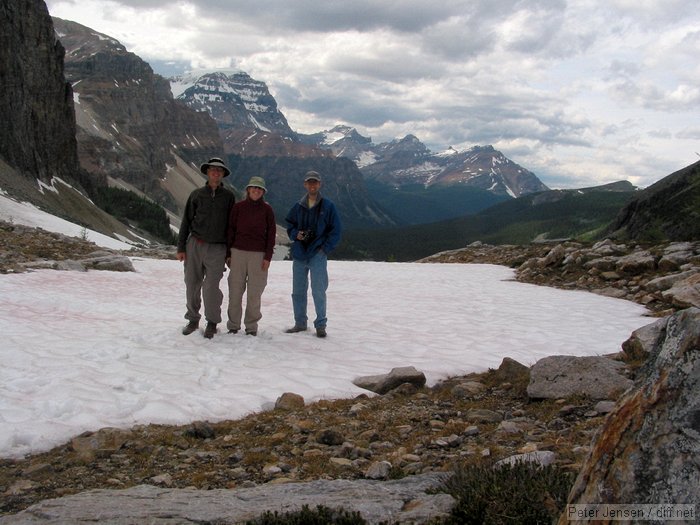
column 204, row 267
column 246, row 273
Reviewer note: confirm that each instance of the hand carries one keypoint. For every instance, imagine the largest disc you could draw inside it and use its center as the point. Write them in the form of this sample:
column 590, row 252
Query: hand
column 181, row 256
column 265, row 265
column 228, row 262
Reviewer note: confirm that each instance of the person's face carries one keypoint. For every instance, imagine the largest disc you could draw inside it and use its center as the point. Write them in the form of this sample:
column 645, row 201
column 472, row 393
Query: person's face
column 255, row 193
column 312, row 187
column 215, row 174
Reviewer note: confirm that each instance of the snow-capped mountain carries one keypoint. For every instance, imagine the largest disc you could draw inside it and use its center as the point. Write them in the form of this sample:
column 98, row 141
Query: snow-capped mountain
column 409, row 161
column 250, row 123
column 234, row 100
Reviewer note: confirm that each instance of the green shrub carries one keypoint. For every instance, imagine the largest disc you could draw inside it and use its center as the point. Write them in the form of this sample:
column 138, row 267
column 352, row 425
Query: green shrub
column 319, row 516
column 525, row 493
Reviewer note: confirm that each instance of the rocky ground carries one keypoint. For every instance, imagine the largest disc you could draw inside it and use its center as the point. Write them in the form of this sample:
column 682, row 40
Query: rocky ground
column 408, row 431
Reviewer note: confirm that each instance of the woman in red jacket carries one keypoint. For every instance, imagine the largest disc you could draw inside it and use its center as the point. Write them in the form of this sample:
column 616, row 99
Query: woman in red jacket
column 251, row 241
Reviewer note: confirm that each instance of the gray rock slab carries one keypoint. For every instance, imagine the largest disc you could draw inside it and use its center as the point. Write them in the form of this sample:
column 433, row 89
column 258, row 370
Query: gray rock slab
column 403, row 500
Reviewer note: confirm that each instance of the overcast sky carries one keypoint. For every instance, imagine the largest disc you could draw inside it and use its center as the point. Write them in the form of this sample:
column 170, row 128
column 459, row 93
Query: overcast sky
column 581, row 92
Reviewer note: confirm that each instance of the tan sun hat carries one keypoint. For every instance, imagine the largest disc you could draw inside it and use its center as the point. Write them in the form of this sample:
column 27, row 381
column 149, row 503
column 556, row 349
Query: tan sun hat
column 256, row 182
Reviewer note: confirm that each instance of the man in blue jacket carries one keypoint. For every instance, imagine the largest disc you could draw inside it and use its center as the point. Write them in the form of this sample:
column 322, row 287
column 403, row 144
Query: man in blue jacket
column 314, row 227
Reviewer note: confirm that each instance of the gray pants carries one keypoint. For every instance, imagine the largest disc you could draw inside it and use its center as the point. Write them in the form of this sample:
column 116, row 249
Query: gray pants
column 246, row 272
column 204, row 267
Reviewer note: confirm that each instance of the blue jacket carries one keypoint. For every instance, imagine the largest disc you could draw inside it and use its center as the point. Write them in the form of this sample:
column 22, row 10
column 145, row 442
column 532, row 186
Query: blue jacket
column 322, row 220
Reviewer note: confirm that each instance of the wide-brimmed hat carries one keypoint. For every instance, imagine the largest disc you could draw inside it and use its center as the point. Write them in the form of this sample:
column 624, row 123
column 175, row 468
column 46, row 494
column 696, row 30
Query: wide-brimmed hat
column 217, row 162
column 256, row 182
column 312, row 175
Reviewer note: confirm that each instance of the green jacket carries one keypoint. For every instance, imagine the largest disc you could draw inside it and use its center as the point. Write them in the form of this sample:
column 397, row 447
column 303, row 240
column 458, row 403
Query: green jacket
column 206, row 216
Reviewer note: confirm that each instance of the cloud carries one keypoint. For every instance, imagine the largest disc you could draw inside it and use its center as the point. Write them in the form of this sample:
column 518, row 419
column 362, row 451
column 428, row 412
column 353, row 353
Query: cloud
column 583, row 90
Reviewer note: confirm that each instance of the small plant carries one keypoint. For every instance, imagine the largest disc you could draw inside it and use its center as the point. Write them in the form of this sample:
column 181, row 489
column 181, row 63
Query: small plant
column 523, row 493
column 319, row 516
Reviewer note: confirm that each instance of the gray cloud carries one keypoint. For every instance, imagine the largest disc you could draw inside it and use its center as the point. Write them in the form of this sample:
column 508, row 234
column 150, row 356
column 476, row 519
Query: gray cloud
column 580, row 92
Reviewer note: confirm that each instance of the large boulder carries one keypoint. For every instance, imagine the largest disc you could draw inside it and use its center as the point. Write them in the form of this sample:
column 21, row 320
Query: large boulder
column 648, row 448
column 561, row 376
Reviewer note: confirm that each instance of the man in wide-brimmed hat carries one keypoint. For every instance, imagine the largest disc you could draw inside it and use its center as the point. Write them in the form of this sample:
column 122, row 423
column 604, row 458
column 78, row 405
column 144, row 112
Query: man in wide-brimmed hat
column 251, row 240
column 202, row 246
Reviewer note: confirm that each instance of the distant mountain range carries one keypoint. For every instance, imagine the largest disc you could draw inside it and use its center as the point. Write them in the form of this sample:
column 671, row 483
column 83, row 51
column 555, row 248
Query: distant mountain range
column 408, row 183
column 407, row 162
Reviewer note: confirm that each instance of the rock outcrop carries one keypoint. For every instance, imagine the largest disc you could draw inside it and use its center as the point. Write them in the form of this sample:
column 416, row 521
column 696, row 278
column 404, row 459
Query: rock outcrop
column 667, row 209
column 399, row 501
column 647, row 450
column 36, row 103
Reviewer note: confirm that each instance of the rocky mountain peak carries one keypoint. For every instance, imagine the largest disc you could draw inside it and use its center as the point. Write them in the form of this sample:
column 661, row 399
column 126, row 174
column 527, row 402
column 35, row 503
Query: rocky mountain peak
column 82, row 42
column 235, row 100
column 408, row 161
column 129, row 127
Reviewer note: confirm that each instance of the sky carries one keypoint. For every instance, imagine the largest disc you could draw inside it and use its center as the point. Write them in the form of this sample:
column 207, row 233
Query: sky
column 580, row 92
column 87, row 350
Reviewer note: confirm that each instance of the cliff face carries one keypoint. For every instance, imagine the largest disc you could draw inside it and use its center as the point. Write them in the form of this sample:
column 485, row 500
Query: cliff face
column 129, row 126
column 38, row 138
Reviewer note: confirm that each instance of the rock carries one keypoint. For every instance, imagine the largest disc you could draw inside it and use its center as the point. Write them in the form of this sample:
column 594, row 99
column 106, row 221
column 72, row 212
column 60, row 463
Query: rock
column 165, row 480
column 636, row 262
column 667, row 281
column 643, row 339
column 608, row 247
column 610, row 291
column 557, row 377
column 511, row 371
column 330, row 437
column 113, row 263
column 406, row 501
column 381, row 384
column 684, row 293
column 200, row 430
column 467, row 389
column 555, row 256
column 540, row 457
column 483, row 415
column 604, row 407
column 101, row 443
column 289, row 401
column 378, row 470
column 646, row 451
column 70, row 266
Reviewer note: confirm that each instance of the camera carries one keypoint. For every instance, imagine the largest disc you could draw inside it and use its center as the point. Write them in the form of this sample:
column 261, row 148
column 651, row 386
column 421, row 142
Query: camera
column 306, row 235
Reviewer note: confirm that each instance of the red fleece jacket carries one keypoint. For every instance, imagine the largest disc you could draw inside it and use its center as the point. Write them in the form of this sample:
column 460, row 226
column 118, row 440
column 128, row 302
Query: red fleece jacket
column 252, row 228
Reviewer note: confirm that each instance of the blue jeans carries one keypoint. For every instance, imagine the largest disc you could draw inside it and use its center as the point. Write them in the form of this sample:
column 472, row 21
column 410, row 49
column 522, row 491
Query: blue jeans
column 318, row 267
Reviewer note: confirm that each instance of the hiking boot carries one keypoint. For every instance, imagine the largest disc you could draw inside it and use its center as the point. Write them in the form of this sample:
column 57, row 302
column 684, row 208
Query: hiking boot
column 252, row 332
column 295, row 329
column 191, row 327
column 321, row 331
column 233, row 331
column 210, row 330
